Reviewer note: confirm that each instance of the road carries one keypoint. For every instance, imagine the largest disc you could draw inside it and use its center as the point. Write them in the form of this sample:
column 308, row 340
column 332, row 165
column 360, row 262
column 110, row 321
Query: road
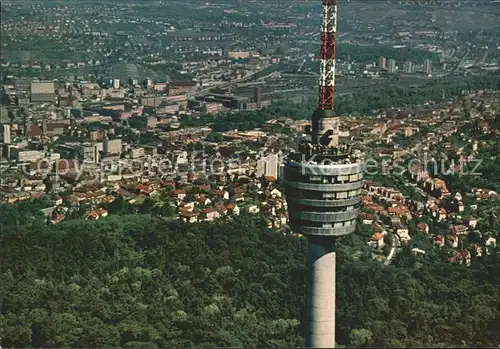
column 462, row 60
column 302, row 64
column 395, row 244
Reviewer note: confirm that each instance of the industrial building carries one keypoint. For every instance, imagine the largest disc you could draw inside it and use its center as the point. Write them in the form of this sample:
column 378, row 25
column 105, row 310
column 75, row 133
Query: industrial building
column 42, row 92
column 26, row 155
column 112, row 146
column 228, row 101
column 87, row 152
column 136, row 153
column 323, row 183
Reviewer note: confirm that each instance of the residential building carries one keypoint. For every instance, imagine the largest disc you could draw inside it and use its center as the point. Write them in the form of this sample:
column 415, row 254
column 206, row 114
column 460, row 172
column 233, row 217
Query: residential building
column 408, row 67
column 382, row 63
column 88, row 153
column 6, row 134
column 391, row 66
column 427, row 66
column 268, row 166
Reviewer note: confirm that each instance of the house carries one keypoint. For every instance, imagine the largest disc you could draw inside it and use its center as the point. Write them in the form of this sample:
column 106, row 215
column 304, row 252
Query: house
column 461, row 206
column 57, row 200
column 58, row 214
column 283, row 219
column 143, row 189
column 368, row 219
column 220, row 193
column 254, row 209
column 472, row 222
column 278, row 221
column 460, row 229
column 237, row 194
column 167, row 184
column 399, row 211
column 436, row 183
column 423, row 228
column 438, row 240
column 203, row 200
column 102, row 212
column 377, row 228
column 366, row 199
column 453, row 240
column 233, row 209
column 377, row 240
column 275, row 193
column 188, row 217
column 477, row 249
column 57, row 218
column 187, row 206
column 222, row 209
column 239, row 197
column 209, row 214
column 461, row 257
column 203, row 187
column 179, row 194
column 490, row 241
column 97, row 213
column 375, row 207
column 442, row 214
column 403, row 232
column 395, row 221
column 274, row 204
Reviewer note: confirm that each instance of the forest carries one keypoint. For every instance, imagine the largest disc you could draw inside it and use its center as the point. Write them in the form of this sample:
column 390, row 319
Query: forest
column 139, row 281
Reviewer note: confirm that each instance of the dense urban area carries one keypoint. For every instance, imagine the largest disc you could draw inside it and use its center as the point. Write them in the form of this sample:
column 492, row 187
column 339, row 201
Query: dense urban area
column 142, row 202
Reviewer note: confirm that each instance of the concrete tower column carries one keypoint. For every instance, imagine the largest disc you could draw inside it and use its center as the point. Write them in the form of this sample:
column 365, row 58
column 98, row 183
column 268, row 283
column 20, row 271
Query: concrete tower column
column 321, row 294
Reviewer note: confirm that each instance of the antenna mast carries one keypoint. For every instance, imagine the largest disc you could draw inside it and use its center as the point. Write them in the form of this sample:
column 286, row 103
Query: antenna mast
column 324, row 121
column 328, row 55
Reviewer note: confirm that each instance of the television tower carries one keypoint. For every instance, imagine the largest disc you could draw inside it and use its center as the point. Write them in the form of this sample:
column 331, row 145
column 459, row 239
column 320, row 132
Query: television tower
column 323, row 182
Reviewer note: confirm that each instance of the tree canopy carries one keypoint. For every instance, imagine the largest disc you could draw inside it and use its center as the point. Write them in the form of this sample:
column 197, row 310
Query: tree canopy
column 138, row 281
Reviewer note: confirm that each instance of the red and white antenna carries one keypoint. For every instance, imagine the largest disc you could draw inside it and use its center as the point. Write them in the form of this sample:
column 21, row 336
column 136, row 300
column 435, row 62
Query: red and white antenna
column 324, row 123
column 328, row 55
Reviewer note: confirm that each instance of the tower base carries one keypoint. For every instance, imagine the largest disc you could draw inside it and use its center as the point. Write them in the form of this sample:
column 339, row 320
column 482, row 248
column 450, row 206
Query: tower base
column 321, row 294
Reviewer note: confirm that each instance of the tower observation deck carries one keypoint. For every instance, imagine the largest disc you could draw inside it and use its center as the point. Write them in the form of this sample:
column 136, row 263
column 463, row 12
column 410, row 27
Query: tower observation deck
column 323, row 182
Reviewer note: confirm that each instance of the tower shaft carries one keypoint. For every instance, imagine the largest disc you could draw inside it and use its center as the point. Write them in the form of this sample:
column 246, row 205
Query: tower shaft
column 321, row 294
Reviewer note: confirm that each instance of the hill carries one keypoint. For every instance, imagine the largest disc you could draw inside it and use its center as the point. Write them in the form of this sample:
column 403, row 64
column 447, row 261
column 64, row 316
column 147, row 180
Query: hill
column 137, row 281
